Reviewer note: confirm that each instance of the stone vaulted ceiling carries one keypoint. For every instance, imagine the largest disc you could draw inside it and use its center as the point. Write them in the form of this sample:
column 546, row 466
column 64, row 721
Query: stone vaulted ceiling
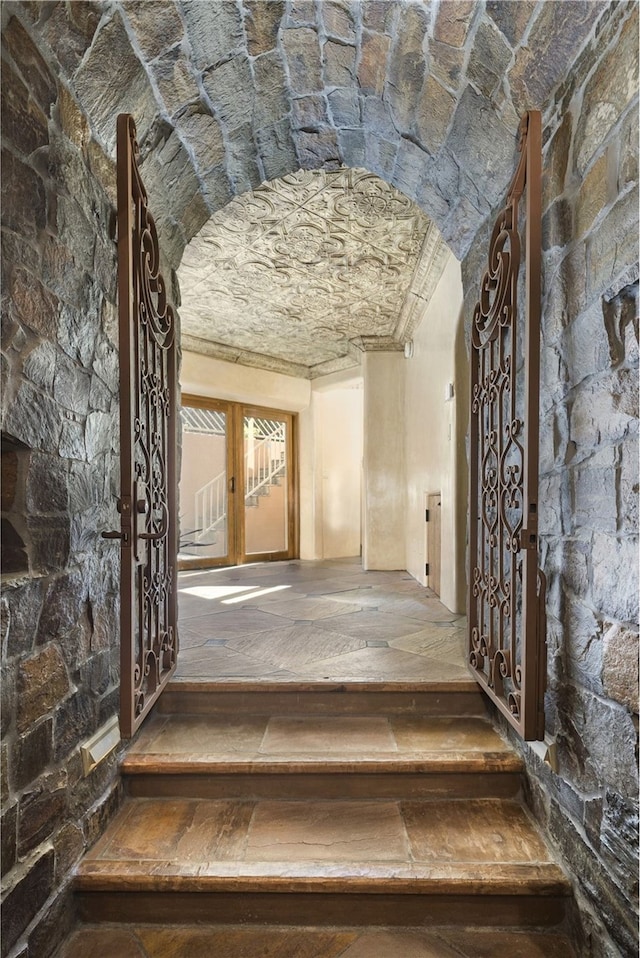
column 230, row 94
column 306, row 271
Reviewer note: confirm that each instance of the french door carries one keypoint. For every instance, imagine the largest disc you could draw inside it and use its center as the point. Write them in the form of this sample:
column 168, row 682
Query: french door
column 238, row 488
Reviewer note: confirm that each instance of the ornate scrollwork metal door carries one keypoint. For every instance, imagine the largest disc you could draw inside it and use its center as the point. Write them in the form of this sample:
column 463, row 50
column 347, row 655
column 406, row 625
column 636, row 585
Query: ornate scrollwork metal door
column 148, row 417
column 507, row 649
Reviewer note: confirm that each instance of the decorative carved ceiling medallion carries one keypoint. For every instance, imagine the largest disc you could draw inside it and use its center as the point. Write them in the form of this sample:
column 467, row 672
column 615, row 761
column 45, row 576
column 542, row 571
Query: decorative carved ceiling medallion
column 308, row 270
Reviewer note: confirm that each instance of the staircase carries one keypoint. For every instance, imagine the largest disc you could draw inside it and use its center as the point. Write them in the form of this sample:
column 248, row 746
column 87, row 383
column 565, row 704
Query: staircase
column 315, row 821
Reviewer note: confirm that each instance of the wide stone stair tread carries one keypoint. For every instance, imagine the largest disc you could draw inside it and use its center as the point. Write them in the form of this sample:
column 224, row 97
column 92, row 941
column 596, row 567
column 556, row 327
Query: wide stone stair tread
column 241, row 941
column 375, row 848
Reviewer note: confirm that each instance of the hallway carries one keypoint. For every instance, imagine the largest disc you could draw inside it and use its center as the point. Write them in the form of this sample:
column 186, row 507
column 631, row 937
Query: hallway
column 313, row 622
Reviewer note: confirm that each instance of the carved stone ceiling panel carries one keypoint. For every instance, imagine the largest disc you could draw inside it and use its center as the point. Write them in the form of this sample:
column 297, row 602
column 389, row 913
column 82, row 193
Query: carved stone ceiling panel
column 306, row 271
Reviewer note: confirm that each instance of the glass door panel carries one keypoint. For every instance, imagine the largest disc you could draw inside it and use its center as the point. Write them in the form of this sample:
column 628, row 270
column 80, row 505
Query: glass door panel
column 266, row 484
column 204, row 484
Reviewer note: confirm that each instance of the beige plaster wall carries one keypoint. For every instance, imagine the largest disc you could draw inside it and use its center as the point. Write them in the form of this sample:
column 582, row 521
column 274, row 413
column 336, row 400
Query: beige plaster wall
column 434, row 436
column 384, row 475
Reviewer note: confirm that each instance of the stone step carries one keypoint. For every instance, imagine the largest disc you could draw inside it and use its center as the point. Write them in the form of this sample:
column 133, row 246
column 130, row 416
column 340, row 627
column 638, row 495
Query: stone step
column 241, row 941
column 370, row 862
column 460, row 697
column 285, row 756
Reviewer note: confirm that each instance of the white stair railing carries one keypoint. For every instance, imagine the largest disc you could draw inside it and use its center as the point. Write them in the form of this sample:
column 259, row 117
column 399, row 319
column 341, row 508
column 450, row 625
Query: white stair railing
column 263, row 462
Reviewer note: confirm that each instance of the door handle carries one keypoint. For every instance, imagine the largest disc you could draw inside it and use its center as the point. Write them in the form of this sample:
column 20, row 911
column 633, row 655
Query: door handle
column 232, row 484
column 123, row 536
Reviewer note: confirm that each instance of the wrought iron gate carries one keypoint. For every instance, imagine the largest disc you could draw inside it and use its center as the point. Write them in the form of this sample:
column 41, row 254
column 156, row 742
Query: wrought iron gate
column 507, row 650
column 148, row 415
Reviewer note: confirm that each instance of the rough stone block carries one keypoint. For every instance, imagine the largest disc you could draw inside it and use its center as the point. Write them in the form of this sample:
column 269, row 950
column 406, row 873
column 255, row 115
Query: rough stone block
column 71, row 386
column 339, row 64
column 338, row 20
column 373, row 62
column 615, row 578
column 75, row 720
column 33, row 305
column 353, row 147
column 593, row 493
column 344, row 106
column 619, row 841
column 453, row 21
column 242, row 168
column 72, row 445
column 157, row 26
column 23, row 123
column 556, row 161
column 69, row 31
column 42, row 683
column 39, row 366
column 381, row 155
column 604, row 408
column 302, row 50
column 620, row 666
column 435, row 109
column 511, row 18
column 553, row 502
column 69, row 847
column 628, row 162
column 33, row 418
column 49, row 536
column 557, row 224
column 46, row 484
column 26, row 897
column 23, row 197
column 592, row 198
column 175, row 80
column 203, row 132
column 41, row 809
column 459, row 226
column 629, row 487
column 583, row 345
column 377, row 15
column 491, row 162
column 613, row 248
column 9, row 839
column 261, row 24
column 309, row 112
column 30, row 754
column 272, row 100
column 564, row 293
column 55, row 925
column 583, row 645
column 276, row 149
column 377, row 118
column 490, row 57
column 556, row 35
column 407, row 65
column 63, row 607
column 317, row 150
column 609, row 92
column 589, row 727
column 23, row 606
column 31, row 64
column 215, row 30
column 129, row 89
column 446, row 63
column 231, row 91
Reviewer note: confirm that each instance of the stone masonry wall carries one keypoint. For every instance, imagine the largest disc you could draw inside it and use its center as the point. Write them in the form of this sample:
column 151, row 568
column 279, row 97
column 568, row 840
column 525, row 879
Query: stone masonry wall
column 60, row 632
column 589, row 480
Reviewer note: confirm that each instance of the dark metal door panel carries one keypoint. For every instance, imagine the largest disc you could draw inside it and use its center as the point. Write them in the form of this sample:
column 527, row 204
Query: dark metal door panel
column 507, row 651
column 148, row 417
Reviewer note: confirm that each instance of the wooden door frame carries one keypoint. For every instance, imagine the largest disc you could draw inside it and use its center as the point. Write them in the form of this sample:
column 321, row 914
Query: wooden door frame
column 236, row 411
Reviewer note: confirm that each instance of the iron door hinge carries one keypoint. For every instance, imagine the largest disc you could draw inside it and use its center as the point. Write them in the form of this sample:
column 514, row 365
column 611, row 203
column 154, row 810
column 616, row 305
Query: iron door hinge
column 426, row 515
column 426, row 569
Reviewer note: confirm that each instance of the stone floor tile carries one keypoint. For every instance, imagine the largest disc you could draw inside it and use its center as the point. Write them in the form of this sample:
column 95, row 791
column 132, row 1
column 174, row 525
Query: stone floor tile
column 399, row 944
column 424, row 734
column 177, row 830
column 481, row 943
column 243, row 942
column 223, row 625
column 221, row 662
column 371, row 625
column 311, row 608
column 327, row 734
column 327, row 832
column 197, row 735
column 295, row 646
column 104, row 942
column 391, row 664
column 485, row 831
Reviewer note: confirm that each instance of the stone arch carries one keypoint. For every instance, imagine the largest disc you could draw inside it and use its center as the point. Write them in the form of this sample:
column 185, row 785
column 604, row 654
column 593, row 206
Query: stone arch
column 228, row 95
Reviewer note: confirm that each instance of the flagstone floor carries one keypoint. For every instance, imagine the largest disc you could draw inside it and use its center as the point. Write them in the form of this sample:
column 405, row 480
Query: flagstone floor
column 314, row 621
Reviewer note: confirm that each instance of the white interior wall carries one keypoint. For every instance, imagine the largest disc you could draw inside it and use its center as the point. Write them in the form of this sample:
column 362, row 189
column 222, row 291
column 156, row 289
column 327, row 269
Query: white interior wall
column 384, row 476
column 434, row 441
